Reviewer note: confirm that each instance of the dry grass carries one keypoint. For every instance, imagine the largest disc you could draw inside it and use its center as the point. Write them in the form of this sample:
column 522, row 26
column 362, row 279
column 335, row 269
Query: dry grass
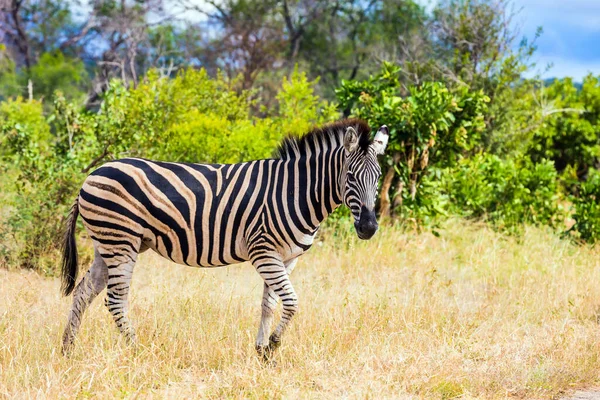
column 470, row 314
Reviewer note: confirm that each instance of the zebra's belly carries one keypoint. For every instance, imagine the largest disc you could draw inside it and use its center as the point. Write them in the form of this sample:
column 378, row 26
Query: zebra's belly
column 199, row 249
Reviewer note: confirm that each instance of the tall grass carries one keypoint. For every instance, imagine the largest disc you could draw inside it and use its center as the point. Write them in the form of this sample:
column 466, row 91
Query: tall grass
column 469, row 314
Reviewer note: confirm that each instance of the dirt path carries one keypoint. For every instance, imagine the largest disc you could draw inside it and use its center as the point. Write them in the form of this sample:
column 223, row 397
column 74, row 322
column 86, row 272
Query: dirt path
column 591, row 394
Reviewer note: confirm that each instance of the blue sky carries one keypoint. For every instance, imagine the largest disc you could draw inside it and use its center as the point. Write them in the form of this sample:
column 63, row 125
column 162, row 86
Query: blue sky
column 571, row 38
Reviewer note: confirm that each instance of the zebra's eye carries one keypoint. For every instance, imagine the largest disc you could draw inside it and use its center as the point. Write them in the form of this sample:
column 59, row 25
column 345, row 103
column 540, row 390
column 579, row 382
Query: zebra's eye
column 351, row 177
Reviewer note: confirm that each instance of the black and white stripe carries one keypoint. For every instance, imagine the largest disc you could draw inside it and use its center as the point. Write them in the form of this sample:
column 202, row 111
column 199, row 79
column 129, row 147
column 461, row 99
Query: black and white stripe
column 264, row 211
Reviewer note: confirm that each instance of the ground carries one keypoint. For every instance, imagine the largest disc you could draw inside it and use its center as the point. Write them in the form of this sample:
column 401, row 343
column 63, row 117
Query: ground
column 590, row 394
column 471, row 314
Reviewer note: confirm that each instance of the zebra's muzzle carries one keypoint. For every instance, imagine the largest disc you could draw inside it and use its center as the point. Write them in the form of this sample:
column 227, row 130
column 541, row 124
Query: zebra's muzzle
column 366, row 226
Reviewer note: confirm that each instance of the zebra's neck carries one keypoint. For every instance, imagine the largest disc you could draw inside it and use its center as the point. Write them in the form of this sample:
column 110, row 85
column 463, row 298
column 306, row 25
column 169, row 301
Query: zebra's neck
column 318, row 183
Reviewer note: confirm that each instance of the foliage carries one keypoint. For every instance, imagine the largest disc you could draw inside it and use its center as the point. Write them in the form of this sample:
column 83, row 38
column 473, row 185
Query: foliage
column 255, row 39
column 219, row 128
column 433, row 125
column 191, row 117
column 9, row 79
column 299, row 105
column 54, row 72
column 569, row 133
column 23, row 130
column 41, row 185
column 475, row 43
column 340, row 44
column 587, row 209
column 508, row 193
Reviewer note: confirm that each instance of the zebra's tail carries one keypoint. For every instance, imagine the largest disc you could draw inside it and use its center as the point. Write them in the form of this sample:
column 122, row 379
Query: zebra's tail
column 69, row 252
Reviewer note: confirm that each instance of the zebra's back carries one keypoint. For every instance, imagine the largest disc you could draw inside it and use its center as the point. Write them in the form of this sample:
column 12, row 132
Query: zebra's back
column 194, row 214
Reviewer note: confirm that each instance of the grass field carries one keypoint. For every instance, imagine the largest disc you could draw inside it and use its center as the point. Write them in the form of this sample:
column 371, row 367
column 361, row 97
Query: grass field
column 471, row 314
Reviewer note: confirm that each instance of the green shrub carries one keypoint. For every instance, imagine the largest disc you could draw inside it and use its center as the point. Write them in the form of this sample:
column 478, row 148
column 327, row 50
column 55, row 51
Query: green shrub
column 53, row 72
column 569, row 134
column 213, row 139
column 30, row 228
column 508, row 193
column 23, row 129
column 587, row 209
column 192, row 117
column 431, row 128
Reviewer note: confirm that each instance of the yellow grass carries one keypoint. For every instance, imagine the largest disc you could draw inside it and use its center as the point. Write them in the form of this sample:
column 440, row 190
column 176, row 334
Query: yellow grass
column 470, row 314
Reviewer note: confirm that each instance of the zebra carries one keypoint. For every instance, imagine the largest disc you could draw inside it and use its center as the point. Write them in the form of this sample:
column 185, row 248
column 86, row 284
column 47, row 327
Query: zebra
column 208, row 215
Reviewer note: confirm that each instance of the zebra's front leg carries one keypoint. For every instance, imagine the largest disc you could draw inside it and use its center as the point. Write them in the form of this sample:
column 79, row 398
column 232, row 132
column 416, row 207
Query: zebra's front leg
column 277, row 284
column 269, row 302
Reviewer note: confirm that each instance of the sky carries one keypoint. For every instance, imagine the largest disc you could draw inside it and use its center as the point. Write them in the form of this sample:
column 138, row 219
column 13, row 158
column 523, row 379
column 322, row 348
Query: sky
column 571, row 37
column 570, row 41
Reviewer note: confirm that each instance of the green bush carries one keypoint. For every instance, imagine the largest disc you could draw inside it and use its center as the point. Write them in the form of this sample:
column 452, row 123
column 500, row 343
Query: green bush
column 508, row 193
column 227, row 133
column 53, row 72
column 191, row 117
column 569, row 134
column 30, row 229
column 587, row 209
column 431, row 128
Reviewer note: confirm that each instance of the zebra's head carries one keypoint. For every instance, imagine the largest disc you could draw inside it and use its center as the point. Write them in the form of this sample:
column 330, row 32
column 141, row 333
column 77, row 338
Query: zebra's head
column 362, row 176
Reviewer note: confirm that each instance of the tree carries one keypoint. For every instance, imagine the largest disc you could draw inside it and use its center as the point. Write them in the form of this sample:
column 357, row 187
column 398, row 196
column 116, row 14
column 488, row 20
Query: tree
column 42, row 43
column 249, row 37
column 30, row 28
column 432, row 126
column 473, row 43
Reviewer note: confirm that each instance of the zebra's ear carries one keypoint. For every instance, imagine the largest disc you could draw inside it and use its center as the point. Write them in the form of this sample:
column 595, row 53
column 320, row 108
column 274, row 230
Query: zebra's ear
column 381, row 140
column 350, row 140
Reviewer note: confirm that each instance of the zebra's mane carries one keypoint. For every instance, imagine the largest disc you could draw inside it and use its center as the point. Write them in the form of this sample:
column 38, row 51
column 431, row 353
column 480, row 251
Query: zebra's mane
column 290, row 147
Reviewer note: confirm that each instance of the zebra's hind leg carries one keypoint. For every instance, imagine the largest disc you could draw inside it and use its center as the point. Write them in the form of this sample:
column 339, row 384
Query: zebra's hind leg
column 90, row 286
column 120, row 270
column 277, row 284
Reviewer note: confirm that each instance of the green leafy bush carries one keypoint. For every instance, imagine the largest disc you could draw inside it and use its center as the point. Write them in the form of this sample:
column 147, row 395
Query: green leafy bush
column 30, row 227
column 432, row 127
column 508, row 193
column 569, row 134
column 54, row 71
column 192, row 118
column 587, row 209
column 227, row 133
column 24, row 131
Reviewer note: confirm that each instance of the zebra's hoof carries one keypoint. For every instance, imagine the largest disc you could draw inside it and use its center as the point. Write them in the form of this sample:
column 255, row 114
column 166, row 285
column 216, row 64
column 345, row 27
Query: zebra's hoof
column 131, row 340
column 266, row 354
column 67, row 344
column 66, row 348
column 274, row 342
